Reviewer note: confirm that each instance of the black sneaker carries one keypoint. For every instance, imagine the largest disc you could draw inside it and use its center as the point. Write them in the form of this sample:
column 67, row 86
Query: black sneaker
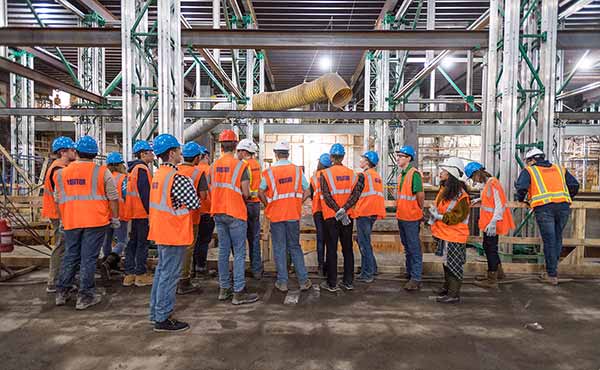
column 364, row 279
column 87, row 302
column 447, row 299
column 347, row 286
column 244, row 297
column 171, row 326
column 61, row 298
column 329, row 288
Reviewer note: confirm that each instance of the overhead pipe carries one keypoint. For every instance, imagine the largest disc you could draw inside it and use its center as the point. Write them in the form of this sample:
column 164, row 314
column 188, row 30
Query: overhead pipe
column 329, row 86
column 203, row 126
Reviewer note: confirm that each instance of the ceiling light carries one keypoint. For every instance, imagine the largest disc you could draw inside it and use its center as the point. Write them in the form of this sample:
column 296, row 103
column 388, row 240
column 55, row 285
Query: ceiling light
column 325, row 63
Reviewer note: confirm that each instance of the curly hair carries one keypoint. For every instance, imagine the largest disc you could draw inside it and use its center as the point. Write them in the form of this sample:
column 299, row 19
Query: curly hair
column 452, row 188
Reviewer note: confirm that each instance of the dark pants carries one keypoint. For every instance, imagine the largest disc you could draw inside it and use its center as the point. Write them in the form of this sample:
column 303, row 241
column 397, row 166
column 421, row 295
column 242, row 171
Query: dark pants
column 334, row 231
column 364, row 227
column 136, row 252
column 551, row 220
column 320, row 226
column 205, row 233
column 253, row 236
column 82, row 247
column 409, row 235
column 490, row 245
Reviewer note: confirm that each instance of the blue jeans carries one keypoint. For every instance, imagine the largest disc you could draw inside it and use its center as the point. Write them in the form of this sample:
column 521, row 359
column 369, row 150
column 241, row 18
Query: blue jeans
column 164, row 286
column 120, row 234
column 82, row 247
column 136, row 252
column 253, row 235
column 364, row 226
column 232, row 237
column 409, row 234
column 551, row 220
column 286, row 238
column 320, row 226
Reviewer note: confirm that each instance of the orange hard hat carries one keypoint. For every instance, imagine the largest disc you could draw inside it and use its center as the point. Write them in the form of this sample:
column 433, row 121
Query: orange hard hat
column 227, row 135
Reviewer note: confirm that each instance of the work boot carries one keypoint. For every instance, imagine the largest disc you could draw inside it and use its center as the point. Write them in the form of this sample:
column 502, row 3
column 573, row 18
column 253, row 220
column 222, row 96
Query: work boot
column 143, row 280
column 185, row 286
column 454, row 285
column 552, row 280
column 61, row 298
column 171, row 325
column 87, row 302
column 257, row 275
column 225, row 294
column 50, row 288
column 412, row 286
column 490, row 283
column 282, row 287
column 129, row 280
column 244, row 297
column 111, row 262
column 306, row 285
column 500, row 272
column 443, row 291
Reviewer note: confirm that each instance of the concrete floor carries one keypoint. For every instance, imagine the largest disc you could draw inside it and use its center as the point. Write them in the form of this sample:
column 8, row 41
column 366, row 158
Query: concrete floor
column 377, row 326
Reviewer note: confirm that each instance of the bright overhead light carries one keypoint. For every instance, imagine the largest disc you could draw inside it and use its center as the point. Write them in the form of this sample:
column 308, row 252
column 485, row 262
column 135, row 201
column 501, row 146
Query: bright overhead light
column 586, row 63
column 325, row 63
column 447, row 63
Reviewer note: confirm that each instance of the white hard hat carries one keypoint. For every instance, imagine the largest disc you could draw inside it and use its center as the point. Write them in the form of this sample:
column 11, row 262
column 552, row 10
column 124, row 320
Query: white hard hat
column 247, row 145
column 255, row 147
column 282, row 145
column 455, row 167
column 533, row 153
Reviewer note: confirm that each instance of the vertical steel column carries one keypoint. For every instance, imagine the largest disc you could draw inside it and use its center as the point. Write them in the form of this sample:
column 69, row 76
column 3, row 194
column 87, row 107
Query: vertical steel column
column 261, row 122
column 3, row 23
column 383, row 93
column 367, row 102
column 216, row 18
column 509, row 94
column 469, row 87
column 430, row 54
column 549, row 135
column 170, row 73
column 198, row 86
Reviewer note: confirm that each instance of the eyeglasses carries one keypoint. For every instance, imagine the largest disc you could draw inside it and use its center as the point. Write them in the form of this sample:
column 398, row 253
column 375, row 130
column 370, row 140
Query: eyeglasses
column 402, row 155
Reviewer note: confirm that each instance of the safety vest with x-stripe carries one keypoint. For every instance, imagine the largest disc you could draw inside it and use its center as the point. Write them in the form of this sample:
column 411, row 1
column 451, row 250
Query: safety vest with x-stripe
column 82, row 198
column 168, row 226
column 226, row 192
column 458, row 233
column 283, row 193
column 547, row 185
column 340, row 180
column 133, row 202
column 407, row 206
column 371, row 202
column 488, row 205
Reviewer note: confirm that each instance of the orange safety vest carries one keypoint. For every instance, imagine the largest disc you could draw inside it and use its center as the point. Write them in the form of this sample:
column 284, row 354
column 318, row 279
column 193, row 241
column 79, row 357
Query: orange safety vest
column 371, row 201
column 317, row 199
column 341, row 180
column 486, row 211
column 458, row 233
column 225, row 181
column 407, row 206
column 254, row 171
column 205, row 204
column 133, row 202
column 49, row 209
column 82, row 198
column 284, row 193
column 547, row 185
column 119, row 178
column 193, row 173
column 168, row 226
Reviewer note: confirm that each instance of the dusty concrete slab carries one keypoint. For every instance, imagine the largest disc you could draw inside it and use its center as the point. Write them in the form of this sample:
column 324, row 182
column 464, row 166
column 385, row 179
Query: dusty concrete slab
column 377, row 326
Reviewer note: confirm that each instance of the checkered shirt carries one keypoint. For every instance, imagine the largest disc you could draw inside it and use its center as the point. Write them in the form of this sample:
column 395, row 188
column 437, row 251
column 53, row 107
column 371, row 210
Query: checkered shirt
column 183, row 191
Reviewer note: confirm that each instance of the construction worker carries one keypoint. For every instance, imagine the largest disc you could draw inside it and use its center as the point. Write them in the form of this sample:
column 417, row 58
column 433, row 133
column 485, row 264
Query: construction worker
column 88, row 203
column 230, row 188
column 449, row 220
column 172, row 198
column 341, row 190
column 317, row 209
column 283, row 189
column 410, row 199
column 112, row 256
column 137, row 204
column 207, row 223
column 550, row 189
column 369, row 208
column 64, row 148
column 246, row 149
column 495, row 219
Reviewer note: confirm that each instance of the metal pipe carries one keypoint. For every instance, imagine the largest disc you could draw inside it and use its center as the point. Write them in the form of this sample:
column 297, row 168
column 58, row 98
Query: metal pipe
column 580, row 90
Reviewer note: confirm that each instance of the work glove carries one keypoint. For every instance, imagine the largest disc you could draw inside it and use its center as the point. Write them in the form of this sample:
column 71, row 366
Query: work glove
column 476, row 200
column 490, row 230
column 345, row 219
column 115, row 223
column 435, row 214
column 339, row 215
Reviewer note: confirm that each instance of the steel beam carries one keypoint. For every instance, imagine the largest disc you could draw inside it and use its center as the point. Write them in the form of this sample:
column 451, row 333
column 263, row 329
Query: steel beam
column 579, row 90
column 490, row 92
column 12, row 67
column 49, row 58
column 97, row 7
column 214, row 65
column 249, row 8
column 577, row 6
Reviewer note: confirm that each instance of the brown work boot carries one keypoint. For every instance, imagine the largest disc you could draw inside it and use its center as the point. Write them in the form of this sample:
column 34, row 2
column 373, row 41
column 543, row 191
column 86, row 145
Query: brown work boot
column 185, row 286
column 490, row 283
column 143, row 280
column 552, row 280
column 412, row 286
column 500, row 272
column 129, row 280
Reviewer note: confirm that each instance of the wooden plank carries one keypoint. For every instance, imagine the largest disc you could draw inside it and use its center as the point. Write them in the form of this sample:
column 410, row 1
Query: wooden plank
column 578, row 254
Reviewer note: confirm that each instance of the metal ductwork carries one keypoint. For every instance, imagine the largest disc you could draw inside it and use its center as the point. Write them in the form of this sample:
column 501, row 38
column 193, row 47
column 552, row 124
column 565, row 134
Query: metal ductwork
column 203, row 126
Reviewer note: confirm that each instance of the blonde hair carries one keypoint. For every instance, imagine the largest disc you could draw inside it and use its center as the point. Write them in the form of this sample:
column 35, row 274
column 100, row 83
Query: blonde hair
column 118, row 167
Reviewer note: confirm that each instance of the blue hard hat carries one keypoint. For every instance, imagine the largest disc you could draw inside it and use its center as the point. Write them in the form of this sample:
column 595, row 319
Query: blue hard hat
column 325, row 160
column 337, row 149
column 62, row 142
column 203, row 150
column 114, row 158
column 87, row 144
column 164, row 142
column 371, row 157
column 472, row 167
column 407, row 150
column 141, row 145
column 191, row 149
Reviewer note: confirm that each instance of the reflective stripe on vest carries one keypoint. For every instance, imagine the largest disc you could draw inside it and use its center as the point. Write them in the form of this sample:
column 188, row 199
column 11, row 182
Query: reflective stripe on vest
column 277, row 196
column 371, row 188
column 334, row 190
column 407, row 197
column 544, row 194
column 230, row 186
column 162, row 206
column 63, row 198
column 195, row 175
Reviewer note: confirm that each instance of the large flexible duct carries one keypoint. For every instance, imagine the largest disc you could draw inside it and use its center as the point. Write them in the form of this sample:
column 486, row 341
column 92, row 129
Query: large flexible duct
column 202, row 126
column 329, row 86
